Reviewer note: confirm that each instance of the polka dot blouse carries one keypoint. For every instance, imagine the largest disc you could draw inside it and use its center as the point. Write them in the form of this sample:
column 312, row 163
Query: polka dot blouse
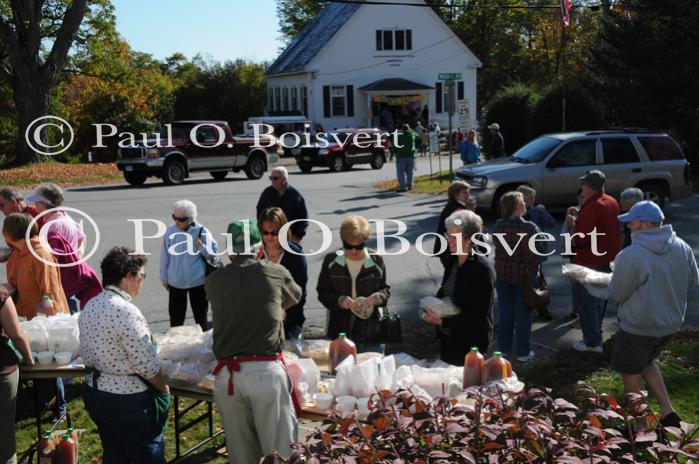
column 115, row 339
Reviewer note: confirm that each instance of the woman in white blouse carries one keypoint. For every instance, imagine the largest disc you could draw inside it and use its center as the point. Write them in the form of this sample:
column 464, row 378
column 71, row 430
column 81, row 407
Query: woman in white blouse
column 123, row 379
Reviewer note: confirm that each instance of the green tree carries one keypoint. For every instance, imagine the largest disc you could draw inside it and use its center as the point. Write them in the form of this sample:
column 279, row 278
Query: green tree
column 646, row 64
column 581, row 111
column 230, row 91
column 294, row 15
column 35, row 37
column 512, row 109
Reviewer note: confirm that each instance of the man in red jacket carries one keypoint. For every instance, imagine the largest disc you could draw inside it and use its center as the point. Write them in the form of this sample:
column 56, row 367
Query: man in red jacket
column 598, row 215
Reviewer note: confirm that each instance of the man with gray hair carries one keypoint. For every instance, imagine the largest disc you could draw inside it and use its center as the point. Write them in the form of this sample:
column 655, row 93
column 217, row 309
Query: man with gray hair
column 650, row 281
column 282, row 195
column 629, row 197
column 252, row 389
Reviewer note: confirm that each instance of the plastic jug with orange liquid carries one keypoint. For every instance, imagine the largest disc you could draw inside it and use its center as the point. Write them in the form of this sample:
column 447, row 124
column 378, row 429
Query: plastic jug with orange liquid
column 496, row 368
column 473, row 368
column 339, row 349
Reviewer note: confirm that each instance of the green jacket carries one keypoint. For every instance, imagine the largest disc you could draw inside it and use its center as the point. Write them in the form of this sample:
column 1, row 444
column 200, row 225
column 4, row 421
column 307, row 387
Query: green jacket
column 408, row 141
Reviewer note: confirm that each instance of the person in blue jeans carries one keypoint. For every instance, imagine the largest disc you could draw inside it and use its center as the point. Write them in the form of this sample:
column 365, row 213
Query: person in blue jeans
column 514, row 264
column 404, row 149
column 125, row 393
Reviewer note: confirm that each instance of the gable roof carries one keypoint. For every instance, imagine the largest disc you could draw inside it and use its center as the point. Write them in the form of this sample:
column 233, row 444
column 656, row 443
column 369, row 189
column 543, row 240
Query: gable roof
column 313, row 38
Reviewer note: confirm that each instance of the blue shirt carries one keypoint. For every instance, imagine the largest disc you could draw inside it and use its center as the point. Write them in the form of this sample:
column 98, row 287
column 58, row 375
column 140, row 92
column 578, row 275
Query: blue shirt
column 179, row 268
column 470, row 152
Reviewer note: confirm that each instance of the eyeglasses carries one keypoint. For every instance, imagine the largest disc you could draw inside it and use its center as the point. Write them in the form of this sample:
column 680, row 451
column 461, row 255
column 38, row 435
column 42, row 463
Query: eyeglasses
column 347, row 246
column 274, row 178
column 273, row 233
column 179, row 219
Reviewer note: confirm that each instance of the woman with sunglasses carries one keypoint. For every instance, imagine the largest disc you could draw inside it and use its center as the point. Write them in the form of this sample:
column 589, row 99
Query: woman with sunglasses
column 271, row 221
column 352, row 284
column 183, row 270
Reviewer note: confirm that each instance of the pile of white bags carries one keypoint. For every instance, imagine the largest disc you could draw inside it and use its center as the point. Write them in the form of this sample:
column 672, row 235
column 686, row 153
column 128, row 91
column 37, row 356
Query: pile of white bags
column 443, row 307
column 186, row 355
column 58, row 333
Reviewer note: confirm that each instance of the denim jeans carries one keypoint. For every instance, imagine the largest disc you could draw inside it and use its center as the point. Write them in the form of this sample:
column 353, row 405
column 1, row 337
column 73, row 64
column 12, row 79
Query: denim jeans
column 405, row 168
column 591, row 312
column 513, row 317
column 49, row 388
column 127, row 427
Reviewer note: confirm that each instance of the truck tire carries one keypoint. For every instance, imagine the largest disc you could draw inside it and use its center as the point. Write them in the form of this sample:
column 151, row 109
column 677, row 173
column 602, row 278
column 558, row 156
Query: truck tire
column 306, row 167
column 174, row 172
column 135, row 178
column 256, row 167
column 378, row 161
column 219, row 175
column 337, row 163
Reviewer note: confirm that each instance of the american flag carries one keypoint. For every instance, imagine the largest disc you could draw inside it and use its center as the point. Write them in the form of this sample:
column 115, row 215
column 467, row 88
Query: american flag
column 565, row 12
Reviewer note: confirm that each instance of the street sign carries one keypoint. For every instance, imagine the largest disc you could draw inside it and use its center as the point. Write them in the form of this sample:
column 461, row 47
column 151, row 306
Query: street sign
column 449, row 76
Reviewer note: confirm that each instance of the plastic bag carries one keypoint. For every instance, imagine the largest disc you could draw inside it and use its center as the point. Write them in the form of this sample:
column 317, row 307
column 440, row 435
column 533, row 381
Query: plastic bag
column 444, row 307
column 364, row 378
column 187, row 373
column 433, row 381
column 63, row 334
column 343, row 377
column 387, row 368
column 189, row 331
column 404, row 359
column 402, row 378
column 36, row 335
column 310, row 373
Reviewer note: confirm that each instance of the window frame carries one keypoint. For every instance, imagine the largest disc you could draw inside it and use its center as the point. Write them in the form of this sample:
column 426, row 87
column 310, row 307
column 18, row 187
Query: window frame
column 619, row 139
column 570, row 143
column 343, row 96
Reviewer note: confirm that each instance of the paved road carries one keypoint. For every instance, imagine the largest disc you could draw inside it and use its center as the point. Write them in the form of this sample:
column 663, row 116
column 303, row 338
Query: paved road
column 330, row 197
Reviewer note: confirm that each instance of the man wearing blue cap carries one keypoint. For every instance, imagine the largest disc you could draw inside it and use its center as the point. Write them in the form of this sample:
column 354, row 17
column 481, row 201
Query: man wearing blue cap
column 650, row 281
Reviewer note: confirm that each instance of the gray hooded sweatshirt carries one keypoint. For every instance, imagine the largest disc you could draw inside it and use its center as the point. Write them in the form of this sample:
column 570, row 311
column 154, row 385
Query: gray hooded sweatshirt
column 650, row 281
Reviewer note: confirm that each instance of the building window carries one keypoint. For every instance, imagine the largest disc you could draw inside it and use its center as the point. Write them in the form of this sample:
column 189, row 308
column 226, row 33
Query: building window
column 338, row 99
column 270, row 92
column 285, row 99
column 278, row 99
column 304, row 100
column 398, row 39
column 294, row 99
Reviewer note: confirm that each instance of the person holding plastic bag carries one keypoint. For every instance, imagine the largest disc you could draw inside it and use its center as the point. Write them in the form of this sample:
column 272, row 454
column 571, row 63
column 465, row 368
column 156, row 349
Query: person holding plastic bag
column 469, row 282
column 352, row 285
column 124, row 391
column 11, row 335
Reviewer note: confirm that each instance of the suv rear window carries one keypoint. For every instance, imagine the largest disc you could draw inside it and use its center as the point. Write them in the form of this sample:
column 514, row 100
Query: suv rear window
column 661, row 148
column 618, row 151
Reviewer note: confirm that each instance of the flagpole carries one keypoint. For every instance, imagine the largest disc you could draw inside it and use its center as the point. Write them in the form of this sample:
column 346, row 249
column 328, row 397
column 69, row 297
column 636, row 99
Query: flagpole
column 565, row 20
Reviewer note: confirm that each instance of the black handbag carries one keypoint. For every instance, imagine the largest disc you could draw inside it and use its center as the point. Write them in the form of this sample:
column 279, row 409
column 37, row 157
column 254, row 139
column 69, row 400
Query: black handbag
column 210, row 264
column 381, row 327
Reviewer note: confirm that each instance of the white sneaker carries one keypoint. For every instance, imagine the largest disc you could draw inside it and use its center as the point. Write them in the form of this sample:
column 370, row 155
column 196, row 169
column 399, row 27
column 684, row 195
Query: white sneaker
column 527, row 358
column 581, row 346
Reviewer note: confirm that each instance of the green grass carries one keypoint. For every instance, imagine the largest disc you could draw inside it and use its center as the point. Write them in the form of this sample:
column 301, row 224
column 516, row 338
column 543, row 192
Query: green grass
column 679, row 363
column 435, row 184
column 90, row 446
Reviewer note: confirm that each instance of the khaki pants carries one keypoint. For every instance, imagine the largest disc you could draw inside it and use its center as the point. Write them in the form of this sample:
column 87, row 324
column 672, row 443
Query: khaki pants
column 259, row 417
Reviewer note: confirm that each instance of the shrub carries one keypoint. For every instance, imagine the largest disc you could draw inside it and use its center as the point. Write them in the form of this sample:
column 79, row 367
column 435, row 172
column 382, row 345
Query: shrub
column 581, row 114
column 527, row 427
column 512, row 108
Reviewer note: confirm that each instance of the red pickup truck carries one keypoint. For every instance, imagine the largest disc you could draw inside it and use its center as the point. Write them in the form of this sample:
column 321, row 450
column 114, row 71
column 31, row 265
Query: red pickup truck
column 183, row 147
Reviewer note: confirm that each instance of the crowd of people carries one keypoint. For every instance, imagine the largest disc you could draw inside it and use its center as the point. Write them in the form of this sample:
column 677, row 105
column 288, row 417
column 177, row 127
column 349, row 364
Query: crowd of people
column 257, row 301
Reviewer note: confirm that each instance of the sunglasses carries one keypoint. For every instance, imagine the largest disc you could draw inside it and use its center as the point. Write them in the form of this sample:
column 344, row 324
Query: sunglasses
column 270, row 232
column 347, row 246
column 273, row 178
column 141, row 274
column 179, row 219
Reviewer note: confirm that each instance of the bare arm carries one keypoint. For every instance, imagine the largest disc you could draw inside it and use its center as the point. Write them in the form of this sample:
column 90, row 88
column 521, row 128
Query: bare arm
column 10, row 323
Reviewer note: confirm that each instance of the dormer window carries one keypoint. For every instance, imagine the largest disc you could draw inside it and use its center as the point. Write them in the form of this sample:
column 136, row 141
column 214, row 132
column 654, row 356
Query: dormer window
column 394, row 39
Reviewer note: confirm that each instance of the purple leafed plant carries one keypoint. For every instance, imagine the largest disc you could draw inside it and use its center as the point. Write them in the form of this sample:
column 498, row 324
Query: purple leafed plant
column 527, row 427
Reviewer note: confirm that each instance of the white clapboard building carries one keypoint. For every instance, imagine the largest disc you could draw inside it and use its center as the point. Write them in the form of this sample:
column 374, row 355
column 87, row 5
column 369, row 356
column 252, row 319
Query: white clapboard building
column 359, row 65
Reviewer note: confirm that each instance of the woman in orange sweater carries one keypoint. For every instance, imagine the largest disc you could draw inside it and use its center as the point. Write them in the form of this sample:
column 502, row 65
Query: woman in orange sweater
column 31, row 277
